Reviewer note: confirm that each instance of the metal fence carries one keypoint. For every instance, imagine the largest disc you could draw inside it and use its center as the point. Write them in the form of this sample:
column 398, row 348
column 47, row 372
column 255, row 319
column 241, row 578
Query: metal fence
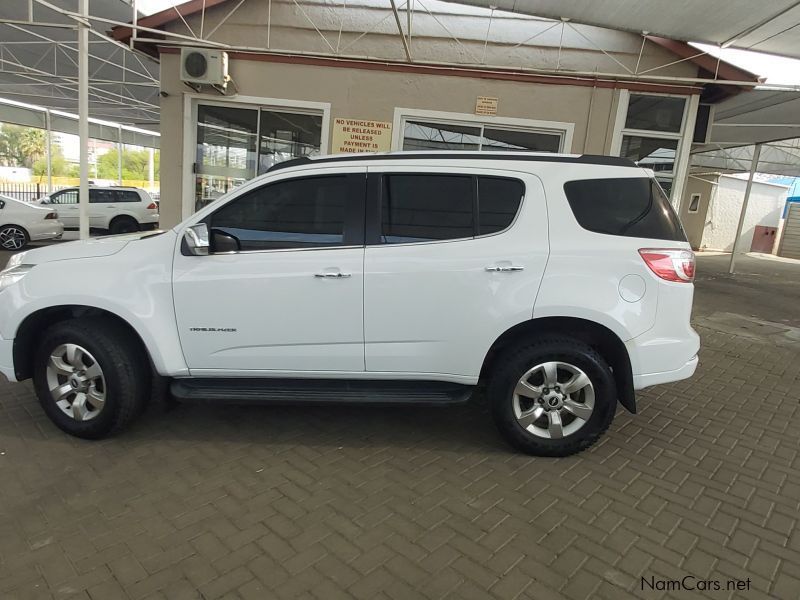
column 27, row 192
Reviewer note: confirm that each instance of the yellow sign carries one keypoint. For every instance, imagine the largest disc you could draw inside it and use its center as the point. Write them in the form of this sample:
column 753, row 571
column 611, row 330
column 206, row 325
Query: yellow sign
column 486, row 106
column 356, row 135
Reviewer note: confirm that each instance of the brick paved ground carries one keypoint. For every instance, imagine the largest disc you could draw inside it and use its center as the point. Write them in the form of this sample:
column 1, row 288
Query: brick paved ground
column 210, row 502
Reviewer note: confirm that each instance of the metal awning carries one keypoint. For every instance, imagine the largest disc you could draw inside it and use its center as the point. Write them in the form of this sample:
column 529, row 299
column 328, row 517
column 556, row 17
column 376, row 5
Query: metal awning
column 772, row 27
column 39, row 61
column 767, row 117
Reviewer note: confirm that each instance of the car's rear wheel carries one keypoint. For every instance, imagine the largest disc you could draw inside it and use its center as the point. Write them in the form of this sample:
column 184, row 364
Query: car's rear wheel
column 13, row 237
column 555, row 397
column 90, row 377
column 123, row 225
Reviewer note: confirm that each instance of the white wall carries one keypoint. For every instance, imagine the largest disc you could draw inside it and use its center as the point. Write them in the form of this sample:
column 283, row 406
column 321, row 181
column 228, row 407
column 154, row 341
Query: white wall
column 765, row 207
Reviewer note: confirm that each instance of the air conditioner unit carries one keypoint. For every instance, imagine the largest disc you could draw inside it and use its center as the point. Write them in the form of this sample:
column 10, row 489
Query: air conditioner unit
column 204, row 66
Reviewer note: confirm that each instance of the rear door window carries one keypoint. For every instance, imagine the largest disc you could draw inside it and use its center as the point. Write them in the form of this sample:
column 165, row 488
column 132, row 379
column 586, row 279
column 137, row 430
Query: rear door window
column 630, row 207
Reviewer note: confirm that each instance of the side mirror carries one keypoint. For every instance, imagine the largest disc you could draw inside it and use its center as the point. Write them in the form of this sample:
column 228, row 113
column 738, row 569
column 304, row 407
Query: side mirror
column 224, row 243
column 196, row 239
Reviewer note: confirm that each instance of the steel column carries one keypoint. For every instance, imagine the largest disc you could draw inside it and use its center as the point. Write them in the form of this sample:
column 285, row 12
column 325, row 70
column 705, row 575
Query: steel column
column 83, row 117
column 743, row 214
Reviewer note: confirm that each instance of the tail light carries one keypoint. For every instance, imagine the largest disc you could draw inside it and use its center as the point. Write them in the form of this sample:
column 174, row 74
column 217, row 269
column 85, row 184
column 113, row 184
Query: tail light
column 152, row 206
column 52, row 215
column 670, row 264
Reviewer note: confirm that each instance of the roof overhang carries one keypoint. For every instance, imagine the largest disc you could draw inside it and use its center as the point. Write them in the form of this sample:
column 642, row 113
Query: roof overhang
column 772, row 27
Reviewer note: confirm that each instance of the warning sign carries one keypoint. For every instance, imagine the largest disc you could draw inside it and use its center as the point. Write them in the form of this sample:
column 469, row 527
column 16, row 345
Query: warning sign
column 355, row 135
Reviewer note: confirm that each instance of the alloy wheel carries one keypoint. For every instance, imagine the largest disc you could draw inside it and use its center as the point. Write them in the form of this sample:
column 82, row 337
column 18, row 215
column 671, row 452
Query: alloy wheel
column 76, row 382
column 553, row 400
column 12, row 238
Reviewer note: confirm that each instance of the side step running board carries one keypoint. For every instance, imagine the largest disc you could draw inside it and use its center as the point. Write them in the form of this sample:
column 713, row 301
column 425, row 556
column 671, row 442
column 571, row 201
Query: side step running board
column 319, row 391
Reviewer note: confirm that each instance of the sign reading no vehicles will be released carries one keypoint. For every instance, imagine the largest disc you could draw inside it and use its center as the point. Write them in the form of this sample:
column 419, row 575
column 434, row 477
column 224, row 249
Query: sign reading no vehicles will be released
column 356, row 135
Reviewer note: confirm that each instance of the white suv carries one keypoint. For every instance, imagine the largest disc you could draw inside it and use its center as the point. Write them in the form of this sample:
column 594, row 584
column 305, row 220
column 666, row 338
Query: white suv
column 562, row 281
column 112, row 209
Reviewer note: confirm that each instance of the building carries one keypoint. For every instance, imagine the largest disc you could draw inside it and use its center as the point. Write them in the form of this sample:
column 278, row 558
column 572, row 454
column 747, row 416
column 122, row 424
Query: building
column 711, row 213
column 317, row 77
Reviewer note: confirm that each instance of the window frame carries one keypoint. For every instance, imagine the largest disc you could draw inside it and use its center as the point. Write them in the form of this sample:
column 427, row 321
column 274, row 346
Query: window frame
column 191, row 101
column 55, row 196
column 683, row 136
column 374, row 204
column 353, row 224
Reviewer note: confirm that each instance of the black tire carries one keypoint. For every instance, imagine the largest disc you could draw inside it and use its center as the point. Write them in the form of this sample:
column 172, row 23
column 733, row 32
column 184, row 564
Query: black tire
column 512, row 364
column 15, row 235
column 123, row 225
column 125, row 369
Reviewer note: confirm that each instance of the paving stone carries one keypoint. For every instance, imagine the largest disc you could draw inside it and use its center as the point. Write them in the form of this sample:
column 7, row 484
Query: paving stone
column 338, row 502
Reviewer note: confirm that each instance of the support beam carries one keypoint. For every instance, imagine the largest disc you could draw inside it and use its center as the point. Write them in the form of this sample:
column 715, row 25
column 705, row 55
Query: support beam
column 743, row 214
column 83, row 119
column 119, row 155
column 400, row 31
column 49, row 151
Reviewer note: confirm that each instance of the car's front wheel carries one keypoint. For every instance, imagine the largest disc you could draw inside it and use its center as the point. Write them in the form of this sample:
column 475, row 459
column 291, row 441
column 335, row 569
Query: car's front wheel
column 554, row 397
column 90, row 377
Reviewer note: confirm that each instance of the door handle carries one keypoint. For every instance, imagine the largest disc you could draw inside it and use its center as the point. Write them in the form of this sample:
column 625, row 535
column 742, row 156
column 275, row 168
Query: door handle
column 504, row 268
column 333, row 275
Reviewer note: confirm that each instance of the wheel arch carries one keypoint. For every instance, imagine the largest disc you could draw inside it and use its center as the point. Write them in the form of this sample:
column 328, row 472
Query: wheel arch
column 31, row 328
column 600, row 337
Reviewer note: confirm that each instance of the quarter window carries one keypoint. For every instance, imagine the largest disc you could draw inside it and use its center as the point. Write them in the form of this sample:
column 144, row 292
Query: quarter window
column 296, row 213
column 630, row 207
column 423, row 208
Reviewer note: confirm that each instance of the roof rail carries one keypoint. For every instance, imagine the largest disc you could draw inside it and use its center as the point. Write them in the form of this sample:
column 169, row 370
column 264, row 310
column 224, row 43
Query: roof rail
column 589, row 159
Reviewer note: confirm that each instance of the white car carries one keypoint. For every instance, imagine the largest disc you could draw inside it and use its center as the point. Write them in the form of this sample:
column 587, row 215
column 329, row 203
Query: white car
column 562, row 281
column 21, row 223
column 113, row 209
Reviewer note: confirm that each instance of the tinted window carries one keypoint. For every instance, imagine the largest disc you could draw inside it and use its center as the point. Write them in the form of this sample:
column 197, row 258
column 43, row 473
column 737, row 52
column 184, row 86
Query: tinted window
column 297, row 213
column 421, row 208
column 126, row 196
column 498, row 203
column 635, row 207
column 102, row 196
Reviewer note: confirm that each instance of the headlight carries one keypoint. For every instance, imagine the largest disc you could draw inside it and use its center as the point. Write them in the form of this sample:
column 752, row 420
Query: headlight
column 12, row 275
column 15, row 260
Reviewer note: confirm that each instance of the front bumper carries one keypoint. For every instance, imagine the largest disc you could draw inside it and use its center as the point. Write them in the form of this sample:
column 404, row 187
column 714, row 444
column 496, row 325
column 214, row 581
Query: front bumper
column 648, row 379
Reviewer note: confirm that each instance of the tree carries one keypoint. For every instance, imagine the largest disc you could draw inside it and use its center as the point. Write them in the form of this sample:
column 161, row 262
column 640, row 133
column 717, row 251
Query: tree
column 21, row 146
column 134, row 164
column 59, row 167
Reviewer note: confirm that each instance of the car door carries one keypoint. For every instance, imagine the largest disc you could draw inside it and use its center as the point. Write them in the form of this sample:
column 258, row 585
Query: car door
column 101, row 207
column 290, row 299
column 66, row 203
column 454, row 258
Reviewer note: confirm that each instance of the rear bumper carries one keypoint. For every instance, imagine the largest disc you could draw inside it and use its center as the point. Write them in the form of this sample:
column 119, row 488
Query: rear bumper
column 648, row 379
column 7, row 359
column 48, row 231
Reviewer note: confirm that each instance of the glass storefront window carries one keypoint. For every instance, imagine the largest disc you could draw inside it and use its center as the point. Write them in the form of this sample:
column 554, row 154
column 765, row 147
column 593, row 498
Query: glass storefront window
column 655, row 113
column 651, row 153
column 426, row 135
column 440, row 136
column 287, row 135
column 520, row 141
column 235, row 144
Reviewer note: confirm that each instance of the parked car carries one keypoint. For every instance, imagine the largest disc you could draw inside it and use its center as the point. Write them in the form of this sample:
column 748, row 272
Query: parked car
column 563, row 282
column 113, row 209
column 21, row 223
